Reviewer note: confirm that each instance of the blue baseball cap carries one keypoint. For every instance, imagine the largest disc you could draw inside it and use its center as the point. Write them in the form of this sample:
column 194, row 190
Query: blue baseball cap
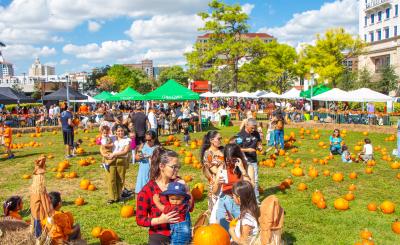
column 176, row 188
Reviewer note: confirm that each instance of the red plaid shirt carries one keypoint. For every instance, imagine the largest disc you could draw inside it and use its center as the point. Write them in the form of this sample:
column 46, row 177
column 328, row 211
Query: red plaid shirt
column 147, row 210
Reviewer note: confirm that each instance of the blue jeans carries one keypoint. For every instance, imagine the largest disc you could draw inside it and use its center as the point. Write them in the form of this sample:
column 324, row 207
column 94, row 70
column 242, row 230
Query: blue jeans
column 278, row 136
column 255, row 166
column 37, row 228
column 226, row 203
column 336, row 150
column 181, row 233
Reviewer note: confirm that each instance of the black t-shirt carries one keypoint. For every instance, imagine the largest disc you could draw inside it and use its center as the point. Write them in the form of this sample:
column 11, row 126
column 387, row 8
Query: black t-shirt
column 247, row 140
column 139, row 120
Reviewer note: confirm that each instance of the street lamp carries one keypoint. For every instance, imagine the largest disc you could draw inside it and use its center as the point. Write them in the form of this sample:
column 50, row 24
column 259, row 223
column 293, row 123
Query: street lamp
column 67, row 90
column 311, row 94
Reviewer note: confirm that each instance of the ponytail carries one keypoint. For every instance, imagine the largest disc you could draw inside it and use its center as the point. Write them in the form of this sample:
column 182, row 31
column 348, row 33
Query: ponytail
column 11, row 204
column 160, row 155
column 207, row 143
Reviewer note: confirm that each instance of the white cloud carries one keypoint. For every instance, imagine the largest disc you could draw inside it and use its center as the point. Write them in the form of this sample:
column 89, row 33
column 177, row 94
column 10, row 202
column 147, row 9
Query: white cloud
column 93, row 26
column 303, row 27
column 247, row 8
column 85, row 66
column 23, row 52
column 107, row 50
column 64, row 62
column 51, row 63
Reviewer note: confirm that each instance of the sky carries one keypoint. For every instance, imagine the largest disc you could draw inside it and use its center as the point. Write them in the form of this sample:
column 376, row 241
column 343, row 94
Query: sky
column 78, row 35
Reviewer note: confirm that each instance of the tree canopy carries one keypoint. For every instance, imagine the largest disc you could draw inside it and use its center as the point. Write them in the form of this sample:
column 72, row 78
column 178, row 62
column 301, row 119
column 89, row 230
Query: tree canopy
column 174, row 72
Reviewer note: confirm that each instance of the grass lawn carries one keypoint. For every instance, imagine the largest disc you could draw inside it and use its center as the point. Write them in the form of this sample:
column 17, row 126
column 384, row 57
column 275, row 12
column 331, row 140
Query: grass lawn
column 304, row 222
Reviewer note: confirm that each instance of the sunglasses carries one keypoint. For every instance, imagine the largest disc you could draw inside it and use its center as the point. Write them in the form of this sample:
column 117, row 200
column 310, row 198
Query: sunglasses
column 175, row 167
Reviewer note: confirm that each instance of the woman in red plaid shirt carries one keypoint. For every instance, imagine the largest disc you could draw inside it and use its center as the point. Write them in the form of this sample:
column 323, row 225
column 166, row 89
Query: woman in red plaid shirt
column 164, row 169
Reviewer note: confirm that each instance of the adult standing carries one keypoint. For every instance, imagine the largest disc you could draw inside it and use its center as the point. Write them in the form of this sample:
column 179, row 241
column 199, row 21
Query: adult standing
column 140, row 122
column 212, row 158
column 115, row 177
column 371, row 113
column 249, row 115
column 250, row 141
column 278, row 123
column 164, row 169
column 143, row 156
column 152, row 119
column 67, row 127
column 233, row 170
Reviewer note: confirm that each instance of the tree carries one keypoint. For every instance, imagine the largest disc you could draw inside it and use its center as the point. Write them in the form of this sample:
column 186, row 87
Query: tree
column 91, row 83
column 225, row 47
column 329, row 53
column 364, row 79
column 175, row 72
column 389, row 80
column 17, row 87
column 347, row 81
column 106, row 83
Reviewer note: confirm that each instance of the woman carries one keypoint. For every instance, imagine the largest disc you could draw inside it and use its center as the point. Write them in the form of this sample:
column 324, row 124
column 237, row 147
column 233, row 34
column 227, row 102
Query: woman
column 336, row 143
column 249, row 115
column 143, row 156
column 164, row 169
column 115, row 176
column 233, row 170
column 212, row 157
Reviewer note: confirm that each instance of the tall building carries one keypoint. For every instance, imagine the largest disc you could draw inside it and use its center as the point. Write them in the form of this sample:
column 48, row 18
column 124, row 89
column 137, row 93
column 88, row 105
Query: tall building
column 144, row 65
column 6, row 69
column 378, row 26
column 37, row 69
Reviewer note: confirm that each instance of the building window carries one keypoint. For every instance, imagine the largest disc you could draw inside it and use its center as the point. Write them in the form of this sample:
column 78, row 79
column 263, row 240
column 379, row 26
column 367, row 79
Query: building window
column 371, row 35
column 387, row 13
column 386, row 32
column 379, row 16
column 396, row 10
column 381, row 62
column 395, row 31
column 372, row 18
column 365, row 21
column 379, row 32
column 365, row 37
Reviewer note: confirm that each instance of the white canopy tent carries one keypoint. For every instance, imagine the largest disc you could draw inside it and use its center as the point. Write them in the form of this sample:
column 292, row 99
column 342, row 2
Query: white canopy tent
column 333, row 95
column 206, row 95
column 292, row 94
column 89, row 99
column 245, row 94
column 271, row 95
column 259, row 93
column 232, row 94
column 367, row 95
column 219, row 94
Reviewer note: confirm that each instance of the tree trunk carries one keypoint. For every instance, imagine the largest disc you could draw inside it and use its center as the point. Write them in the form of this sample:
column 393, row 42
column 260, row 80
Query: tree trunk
column 235, row 74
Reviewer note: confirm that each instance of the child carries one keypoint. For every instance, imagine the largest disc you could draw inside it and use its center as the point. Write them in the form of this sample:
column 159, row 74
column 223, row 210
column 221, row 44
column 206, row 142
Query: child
column 186, row 136
column 182, row 203
column 76, row 145
column 166, row 126
column 260, row 130
column 367, row 152
column 246, row 229
column 132, row 135
column 12, row 206
column 270, row 136
column 61, row 226
column 7, row 134
column 346, row 156
column 106, row 146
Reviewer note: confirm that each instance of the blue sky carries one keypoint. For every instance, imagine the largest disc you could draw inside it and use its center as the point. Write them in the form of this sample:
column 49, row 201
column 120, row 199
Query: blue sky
column 91, row 33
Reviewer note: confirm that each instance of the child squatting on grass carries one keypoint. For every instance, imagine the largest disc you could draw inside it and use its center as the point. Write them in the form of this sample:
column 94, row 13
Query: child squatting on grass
column 367, row 152
column 12, row 206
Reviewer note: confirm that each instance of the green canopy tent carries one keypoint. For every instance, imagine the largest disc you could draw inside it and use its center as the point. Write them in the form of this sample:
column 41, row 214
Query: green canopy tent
column 103, row 95
column 128, row 94
column 320, row 89
column 172, row 91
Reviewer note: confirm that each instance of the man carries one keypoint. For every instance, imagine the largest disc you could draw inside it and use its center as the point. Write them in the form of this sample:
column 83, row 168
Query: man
column 140, row 122
column 371, row 113
column 119, row 121
column 250, row 141
column 151, row 117
column 67, row 127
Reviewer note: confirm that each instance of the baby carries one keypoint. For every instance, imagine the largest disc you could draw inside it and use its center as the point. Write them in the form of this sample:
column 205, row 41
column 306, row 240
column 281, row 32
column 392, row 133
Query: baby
column 106, row 147
column 181, row 202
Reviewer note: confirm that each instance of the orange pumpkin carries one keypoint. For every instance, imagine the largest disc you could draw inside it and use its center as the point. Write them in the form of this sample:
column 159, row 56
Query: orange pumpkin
column 352, row 187
column 187, row 178
column 365, row 234
column 371, row 206
column 84, row 184
column 321, row 204
column 79, row 201
column 387, row 207
column 177, row 143
column 213, row 234
column 353, row 175
column 281, row 152
column 349, row 196
column 341, row 204
column 368, row 170
column 297, row 171
column 398, row 176
column 96, row 231
column 197, row 193
column 313, row 173
column 73, row 175
column 91, row 187
column 326, row 173
column 396, row 227
column 127, row 211
column 108, row 237
column 317, row 196
column 338, row 177
column 26, row 176
column 302, row 187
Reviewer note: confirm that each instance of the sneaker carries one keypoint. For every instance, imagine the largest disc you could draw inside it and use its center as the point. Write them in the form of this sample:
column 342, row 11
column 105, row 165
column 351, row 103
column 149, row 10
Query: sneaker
column 11, row 156
column 106, row 167
column 68, row 156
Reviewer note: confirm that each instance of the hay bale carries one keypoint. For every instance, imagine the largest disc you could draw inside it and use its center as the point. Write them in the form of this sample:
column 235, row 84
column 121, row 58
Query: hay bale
column 15, row 232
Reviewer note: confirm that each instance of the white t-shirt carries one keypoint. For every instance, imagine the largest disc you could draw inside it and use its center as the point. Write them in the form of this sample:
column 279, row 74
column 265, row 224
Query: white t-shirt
column 152, row 119
column 368, row 149
column 249, row 220
column 222, row 112
column 119, row 145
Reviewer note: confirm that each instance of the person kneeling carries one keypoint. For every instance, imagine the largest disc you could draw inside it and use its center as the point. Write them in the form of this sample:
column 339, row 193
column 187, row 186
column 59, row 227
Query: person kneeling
column 60, row 226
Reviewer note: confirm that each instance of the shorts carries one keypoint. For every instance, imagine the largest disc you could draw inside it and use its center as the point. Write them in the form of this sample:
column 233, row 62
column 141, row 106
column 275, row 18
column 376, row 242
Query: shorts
column 68, row 137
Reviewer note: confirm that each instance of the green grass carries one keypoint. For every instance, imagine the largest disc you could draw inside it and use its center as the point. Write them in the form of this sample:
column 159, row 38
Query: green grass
column 304, row 223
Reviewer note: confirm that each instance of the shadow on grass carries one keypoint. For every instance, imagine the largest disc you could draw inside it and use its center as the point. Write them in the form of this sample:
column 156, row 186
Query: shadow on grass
column 289, row 238
column 17, row 156
column 270, row 191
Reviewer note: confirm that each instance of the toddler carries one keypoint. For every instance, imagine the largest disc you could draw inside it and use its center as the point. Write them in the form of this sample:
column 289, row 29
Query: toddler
column 181, row 202
column 76, row 145
column 186, row 136
column 106, row 147
column 367, row 152
column 346, row 156
column 12, row 206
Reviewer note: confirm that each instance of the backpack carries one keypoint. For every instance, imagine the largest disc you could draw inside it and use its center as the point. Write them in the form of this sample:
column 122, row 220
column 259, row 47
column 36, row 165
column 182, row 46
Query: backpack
column 279, row 124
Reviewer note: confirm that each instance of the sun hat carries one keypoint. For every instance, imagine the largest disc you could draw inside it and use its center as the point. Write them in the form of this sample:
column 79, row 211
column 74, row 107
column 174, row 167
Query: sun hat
column 176, row 188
